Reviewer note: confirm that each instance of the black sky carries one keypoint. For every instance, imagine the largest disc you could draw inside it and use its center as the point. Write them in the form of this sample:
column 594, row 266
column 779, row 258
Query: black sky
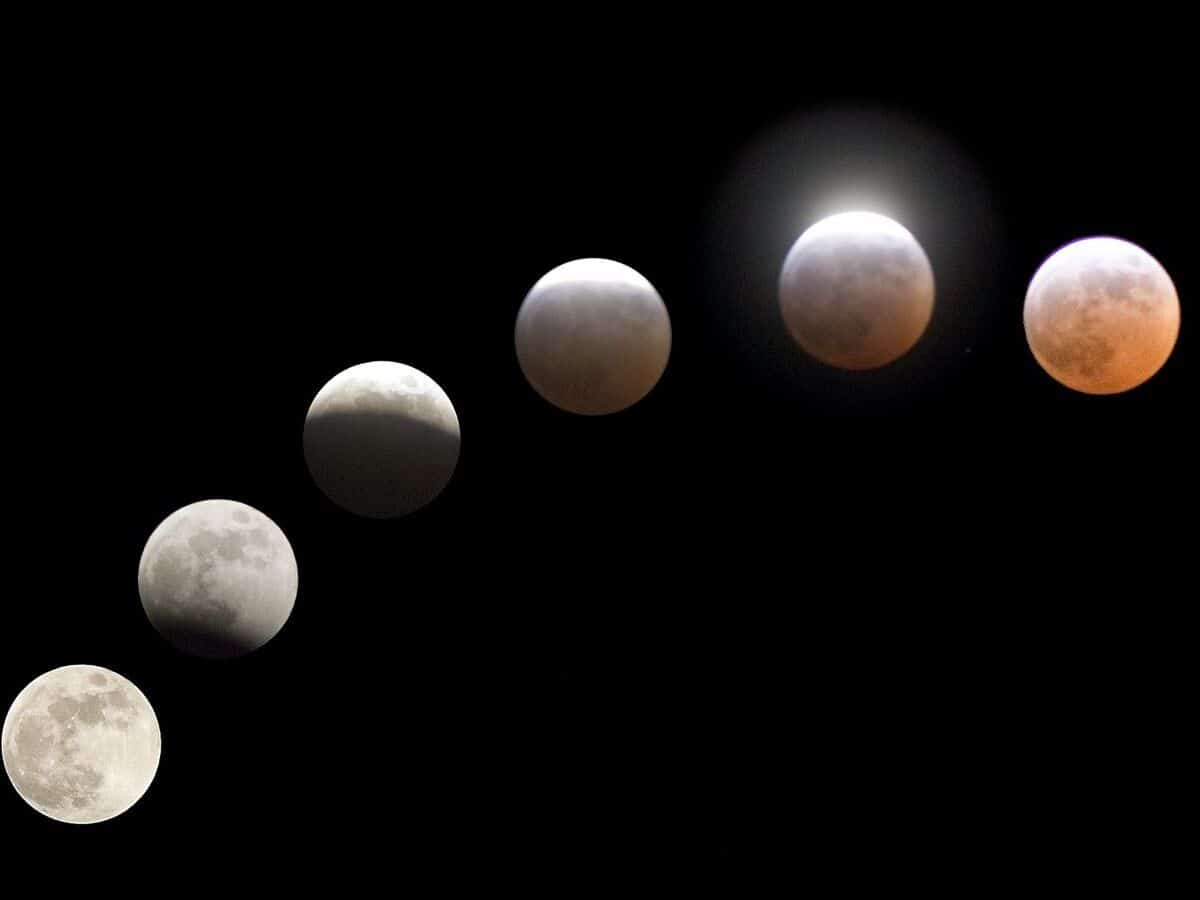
column 870, row 622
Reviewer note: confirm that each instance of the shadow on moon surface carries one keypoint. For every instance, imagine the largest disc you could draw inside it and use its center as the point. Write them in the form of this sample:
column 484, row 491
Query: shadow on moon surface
column 211, row 641
column 217, row 579
column 377, row 464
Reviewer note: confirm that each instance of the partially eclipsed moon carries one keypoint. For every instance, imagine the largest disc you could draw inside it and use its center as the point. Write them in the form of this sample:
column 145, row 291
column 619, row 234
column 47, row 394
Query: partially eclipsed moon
column 593, row 336
column 217, row 578
column 1101, row 315
column 856, row 290
column 381, row 439
column 81, row 744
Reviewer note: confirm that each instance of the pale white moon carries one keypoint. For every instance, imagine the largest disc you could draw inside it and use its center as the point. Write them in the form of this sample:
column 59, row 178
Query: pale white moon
column 218, row 578
column 81, row 744
column 1101, row 315
column 593, row 336
column 856, row 290
column 381, row 439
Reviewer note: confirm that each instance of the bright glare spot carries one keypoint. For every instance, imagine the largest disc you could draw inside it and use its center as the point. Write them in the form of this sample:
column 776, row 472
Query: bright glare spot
column 859, row 222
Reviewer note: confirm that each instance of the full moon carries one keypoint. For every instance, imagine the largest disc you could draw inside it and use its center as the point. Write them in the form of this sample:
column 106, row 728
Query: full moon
column 217, row 579
column 1101, row 315
column 81, row 744
column 856, row 290
column 593, row 336
column 381, row 439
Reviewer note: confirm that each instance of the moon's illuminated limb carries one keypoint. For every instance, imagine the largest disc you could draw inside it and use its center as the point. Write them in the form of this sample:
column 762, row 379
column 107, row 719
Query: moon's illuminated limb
column 856, row 290
column 1101, row 315
column 81, row 744
column 217, row 578
column 593, row 336
column 381, row 439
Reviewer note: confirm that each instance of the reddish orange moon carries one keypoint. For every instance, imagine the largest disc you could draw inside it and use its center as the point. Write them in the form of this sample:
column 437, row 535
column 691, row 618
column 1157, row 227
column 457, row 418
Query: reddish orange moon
column 1101, row 315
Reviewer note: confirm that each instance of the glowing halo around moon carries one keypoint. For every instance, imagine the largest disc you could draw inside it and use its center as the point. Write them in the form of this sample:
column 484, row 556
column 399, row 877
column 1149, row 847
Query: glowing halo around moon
column 856, row 290
column 1101, row 315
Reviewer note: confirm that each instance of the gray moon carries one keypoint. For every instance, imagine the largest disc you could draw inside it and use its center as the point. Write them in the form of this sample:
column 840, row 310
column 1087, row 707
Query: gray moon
column 593, row 336
column 1101, row 315
column 856, row 290
column 81, row 744
column 381, row 439
column 218, row 579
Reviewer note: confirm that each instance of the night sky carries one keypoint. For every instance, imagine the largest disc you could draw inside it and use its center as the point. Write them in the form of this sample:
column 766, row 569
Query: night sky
column 883, row 624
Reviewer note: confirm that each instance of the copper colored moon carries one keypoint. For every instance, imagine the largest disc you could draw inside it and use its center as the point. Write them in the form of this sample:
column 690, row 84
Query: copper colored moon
column 856, row 290
column 593, row 336
column 1101, row 315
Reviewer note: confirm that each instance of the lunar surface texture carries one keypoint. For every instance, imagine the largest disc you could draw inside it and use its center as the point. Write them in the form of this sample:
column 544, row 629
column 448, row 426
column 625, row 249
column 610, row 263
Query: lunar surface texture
column 593, row 336
column 381, row 439
column 81, row 744
column 1101, row 315
column 856, row 290
column 217, row 579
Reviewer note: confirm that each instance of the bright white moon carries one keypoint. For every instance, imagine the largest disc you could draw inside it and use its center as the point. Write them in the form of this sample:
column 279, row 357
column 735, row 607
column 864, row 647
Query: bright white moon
column 218, row 579
column 1101, row 315
column 381, row 439
column 81, row 744
column 593, row 336
column 856, row 290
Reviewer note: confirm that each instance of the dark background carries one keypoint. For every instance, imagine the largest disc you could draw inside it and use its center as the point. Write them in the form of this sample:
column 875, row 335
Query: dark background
column 922, row 619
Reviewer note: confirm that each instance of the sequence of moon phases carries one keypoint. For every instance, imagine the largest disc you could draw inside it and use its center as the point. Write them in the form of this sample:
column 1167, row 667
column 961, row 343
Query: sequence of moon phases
column 593, row 336
column 381, row 439
column 81, row 744
column 1101, row 315
column 217, row 579
column 856, row 290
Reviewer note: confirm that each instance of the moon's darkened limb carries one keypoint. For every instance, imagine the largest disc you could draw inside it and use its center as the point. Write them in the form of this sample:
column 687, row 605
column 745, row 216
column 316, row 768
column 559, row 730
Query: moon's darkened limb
column 381, row 439
column 593, row 336
column 856, row 290
column 1101, row 316
column 217, row 579
column 81, row 744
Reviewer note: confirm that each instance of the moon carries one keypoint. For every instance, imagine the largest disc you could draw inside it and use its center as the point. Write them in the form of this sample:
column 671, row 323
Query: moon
column 81, row 744
column 856, row 290
column 217, row 579
column 381, row 439
column 593, row 336
column 1101, row 315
